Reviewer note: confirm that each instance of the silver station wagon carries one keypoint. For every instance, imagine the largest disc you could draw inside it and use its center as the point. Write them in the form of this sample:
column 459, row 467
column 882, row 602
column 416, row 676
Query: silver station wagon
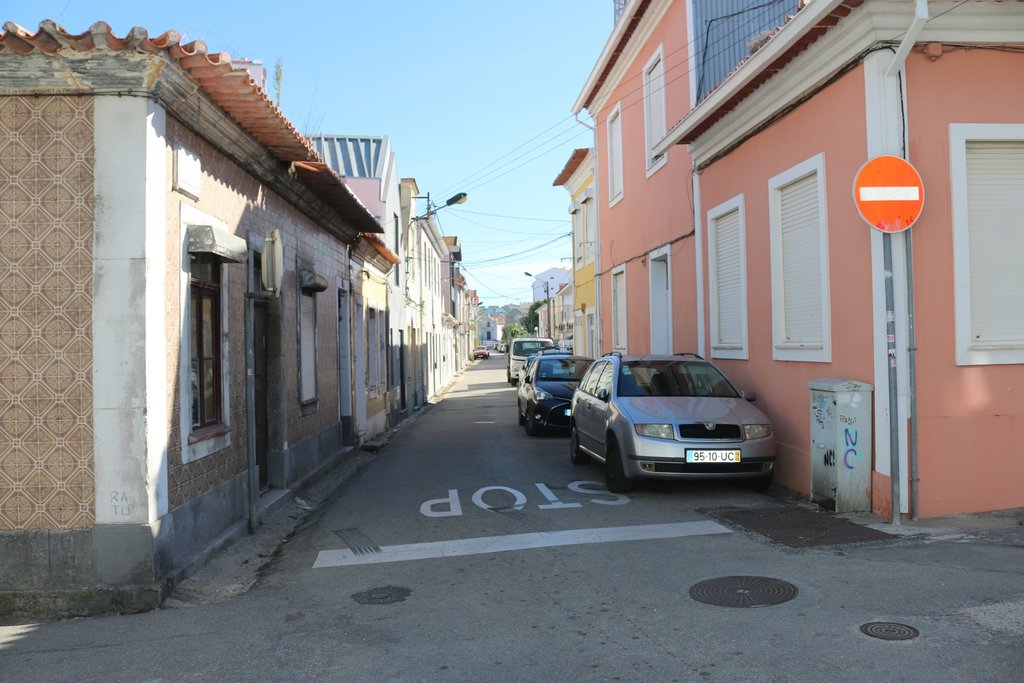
column 668, row 417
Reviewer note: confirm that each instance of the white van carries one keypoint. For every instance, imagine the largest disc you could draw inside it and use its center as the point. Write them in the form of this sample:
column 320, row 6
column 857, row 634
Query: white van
column 519, row 350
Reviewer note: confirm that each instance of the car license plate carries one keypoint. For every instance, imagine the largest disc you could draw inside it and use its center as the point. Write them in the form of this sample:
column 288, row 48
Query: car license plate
column 694, row 455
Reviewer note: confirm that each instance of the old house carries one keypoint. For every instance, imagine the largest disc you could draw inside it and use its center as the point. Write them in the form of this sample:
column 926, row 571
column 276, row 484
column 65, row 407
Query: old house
column 170, row 244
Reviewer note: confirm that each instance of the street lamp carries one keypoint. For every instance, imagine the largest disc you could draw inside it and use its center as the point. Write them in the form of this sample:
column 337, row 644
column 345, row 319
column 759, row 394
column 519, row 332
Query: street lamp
column 547, row 298
column 459, row 198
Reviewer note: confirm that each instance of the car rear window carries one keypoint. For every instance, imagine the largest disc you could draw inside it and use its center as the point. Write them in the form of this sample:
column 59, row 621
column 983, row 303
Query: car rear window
column 562, row 369
column 673, row 378
column 525, row 348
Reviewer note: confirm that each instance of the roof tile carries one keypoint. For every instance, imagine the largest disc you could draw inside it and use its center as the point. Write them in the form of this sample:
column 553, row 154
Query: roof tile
column 233, row 90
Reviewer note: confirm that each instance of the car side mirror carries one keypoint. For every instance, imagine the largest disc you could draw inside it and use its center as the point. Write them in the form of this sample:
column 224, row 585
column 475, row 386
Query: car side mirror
column 603, row 395
column 749, row 395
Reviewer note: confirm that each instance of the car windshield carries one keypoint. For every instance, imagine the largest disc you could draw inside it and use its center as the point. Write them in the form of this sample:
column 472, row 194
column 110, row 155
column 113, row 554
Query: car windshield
column 673, row 378
column 525, row 348
column 562, row 369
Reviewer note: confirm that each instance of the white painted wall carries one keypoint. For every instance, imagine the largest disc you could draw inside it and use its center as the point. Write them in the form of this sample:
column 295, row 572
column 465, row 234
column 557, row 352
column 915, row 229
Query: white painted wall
column 130, row 413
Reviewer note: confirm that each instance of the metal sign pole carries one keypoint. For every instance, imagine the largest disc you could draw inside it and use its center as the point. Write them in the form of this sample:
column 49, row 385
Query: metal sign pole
column 890, row 337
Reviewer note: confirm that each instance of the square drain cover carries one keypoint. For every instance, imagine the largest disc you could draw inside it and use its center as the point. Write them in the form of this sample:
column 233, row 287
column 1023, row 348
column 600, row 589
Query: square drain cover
column 800, row 527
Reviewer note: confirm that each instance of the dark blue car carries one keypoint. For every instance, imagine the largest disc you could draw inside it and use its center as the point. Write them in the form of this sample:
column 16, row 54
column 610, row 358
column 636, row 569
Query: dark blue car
column 546, row 391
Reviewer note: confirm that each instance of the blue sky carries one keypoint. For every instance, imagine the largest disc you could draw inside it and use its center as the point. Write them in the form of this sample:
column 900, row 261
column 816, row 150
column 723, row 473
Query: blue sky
column 476, row 96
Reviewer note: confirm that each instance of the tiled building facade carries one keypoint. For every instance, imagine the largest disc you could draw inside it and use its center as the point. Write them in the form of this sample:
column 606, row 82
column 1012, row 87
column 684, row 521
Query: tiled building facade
column 46, row 210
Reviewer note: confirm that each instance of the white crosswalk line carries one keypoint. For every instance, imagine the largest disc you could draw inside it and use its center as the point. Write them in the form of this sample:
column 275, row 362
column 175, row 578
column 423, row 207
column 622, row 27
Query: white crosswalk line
column 499, row 544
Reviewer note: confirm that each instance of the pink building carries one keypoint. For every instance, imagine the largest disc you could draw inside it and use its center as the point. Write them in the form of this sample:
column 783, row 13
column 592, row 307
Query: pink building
column 734, row 232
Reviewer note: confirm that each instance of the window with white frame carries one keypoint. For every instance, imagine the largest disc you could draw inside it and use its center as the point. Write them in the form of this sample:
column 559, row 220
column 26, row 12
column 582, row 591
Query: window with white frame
column 660, row 300
column 206, row 341
column 654, row 110
column 372, row 349
column 307, row 346
column 619, row 314
column 204, row 361
column 579, row 217
column 615, row 155
column 583, row 212
column 727, row 280
column 590, row 343
column 799, row 252
column 987, row 173
column 590, row 226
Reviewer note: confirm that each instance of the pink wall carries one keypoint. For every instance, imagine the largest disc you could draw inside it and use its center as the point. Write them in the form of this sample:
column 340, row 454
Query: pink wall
column 782, row 386
column 653, row 210
column 971, row 418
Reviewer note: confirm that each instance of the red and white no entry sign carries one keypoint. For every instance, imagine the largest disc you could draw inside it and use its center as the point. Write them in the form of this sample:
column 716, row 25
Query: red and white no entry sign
column 888, row 193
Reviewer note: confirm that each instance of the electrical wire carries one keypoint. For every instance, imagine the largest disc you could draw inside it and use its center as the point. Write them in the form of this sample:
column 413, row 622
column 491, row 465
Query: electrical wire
column 726, row 40
column 477, row 179
column 521, row 253
column 460, row 210
column 514, row 232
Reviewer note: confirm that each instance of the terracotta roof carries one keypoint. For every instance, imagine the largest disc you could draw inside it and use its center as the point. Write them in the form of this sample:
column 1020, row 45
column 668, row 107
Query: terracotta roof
column 336, row 194
column 382, row 249
column 611, row 57
column 233, row 90
column 577, row 157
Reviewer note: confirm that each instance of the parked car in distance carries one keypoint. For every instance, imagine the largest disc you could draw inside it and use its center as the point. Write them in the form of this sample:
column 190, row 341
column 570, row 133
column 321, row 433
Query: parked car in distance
column 519, row 350
column 546, row 388
column 481, row 352
column 668, row 417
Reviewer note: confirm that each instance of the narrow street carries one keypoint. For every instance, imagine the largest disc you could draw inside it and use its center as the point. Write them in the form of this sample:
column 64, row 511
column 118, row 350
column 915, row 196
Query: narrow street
column 466, row 550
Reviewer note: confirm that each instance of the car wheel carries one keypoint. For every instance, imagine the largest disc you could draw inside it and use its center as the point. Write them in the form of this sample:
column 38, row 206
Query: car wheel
column 615, row 479
column 508, row 378
column 576, row 456
column 519, row 414
column 532, row 428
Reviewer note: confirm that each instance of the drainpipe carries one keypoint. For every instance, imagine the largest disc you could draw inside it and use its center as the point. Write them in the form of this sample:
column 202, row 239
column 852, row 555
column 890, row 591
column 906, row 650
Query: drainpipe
column 596, row 239
column 895, row 70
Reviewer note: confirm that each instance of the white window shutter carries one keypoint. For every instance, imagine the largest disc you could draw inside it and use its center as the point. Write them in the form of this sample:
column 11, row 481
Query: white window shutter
column 614, row 155
column 654, row 87
column 801, row 262
column 728, row 280
column 619, row 310
column 307, row 341
column 995, row 204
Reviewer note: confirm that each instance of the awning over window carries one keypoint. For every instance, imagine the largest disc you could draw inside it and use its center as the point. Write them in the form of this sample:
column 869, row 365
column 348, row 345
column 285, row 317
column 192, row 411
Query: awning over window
column 209, row 239
column 311, row 282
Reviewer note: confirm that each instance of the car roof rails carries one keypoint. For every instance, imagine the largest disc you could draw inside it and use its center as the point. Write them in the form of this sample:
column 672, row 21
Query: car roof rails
column 687, row 353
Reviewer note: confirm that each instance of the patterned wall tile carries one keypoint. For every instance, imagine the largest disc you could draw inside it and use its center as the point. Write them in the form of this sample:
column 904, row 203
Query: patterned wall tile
column 46, row 219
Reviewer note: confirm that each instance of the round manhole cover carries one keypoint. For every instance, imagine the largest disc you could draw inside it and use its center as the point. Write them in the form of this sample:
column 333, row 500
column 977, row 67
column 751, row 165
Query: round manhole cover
column 743, row 591
column 385, row 595
column 888, row 630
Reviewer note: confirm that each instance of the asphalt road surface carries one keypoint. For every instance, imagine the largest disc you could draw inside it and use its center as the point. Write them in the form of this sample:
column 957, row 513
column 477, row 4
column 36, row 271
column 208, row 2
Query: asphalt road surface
column 468, row 551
